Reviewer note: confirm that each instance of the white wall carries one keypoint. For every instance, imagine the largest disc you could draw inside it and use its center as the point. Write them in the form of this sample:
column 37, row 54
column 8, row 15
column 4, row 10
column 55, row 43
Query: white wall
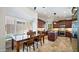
column 34, row 26
column 49, row 21
column 21, row 13
column 2, row 30
column 78, row 29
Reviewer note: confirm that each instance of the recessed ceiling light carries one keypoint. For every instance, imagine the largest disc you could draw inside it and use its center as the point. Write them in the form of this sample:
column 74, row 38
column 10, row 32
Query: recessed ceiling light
column 54, row 22
column 76, row 21
column 64, row 11
column 44, row 12
column 49, row 16
column 54, row 13
column 72, row 14
column 75, row 9
column 43, row 7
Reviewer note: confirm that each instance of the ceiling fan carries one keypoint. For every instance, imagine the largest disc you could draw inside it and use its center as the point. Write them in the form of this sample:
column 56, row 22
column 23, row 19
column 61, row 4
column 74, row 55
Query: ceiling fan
column 36, row 8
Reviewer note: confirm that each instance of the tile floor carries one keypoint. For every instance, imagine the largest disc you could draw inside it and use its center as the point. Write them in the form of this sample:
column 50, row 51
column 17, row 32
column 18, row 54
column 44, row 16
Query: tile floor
column 62, row 44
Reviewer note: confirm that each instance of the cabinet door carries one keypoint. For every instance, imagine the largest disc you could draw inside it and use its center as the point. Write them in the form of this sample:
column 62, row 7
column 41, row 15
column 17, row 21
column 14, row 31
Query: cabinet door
column 41, row 24
column 51, row 36
column 55, row 25
column 68, row 34
column 68, row 24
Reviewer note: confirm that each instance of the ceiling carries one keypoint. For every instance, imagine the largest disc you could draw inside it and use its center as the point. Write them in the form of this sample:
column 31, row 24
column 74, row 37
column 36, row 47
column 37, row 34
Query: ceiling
column 46, row 13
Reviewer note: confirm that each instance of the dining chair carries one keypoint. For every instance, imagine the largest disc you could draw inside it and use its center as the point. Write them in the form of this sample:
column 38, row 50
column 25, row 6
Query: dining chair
column 29, row 43
column 38, row 39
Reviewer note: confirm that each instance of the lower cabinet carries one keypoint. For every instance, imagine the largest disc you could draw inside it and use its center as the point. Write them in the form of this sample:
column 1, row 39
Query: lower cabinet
column 68, row 34
column 51, row 36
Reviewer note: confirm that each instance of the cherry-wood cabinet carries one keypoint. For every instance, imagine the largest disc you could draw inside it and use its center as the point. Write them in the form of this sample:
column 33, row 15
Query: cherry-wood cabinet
column 68, row 34
column 41, row 23
column 51, row 36
column 55, row 24
column 67, row 23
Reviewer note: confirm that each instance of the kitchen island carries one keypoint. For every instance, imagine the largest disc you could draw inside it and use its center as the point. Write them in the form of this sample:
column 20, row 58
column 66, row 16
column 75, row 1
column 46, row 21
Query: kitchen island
column 52, row 36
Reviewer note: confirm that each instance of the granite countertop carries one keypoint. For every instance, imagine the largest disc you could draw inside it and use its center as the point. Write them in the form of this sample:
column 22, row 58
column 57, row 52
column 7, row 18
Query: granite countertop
column 16, row 37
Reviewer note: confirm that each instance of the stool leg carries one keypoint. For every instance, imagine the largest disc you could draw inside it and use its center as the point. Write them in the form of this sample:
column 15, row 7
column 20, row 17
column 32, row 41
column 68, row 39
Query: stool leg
column 37, row 44
column 43, row 40
column 27, row 48
column 33, row 47
column 41, row 43
column 23, row 47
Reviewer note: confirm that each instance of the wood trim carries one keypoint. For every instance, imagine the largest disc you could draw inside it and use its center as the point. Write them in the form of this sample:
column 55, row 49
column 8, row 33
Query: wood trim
column 41, row 20
column 41, row 23
column 67, row 23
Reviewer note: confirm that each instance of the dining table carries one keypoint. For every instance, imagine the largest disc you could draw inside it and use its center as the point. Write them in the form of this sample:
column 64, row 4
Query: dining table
column 18, row 45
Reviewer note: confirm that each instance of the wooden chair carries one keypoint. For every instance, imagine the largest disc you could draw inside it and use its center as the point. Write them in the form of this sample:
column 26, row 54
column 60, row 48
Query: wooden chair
column 38, row 39
column 29, row 43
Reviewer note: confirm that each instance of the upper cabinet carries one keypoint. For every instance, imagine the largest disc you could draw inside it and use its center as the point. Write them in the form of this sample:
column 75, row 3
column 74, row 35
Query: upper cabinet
column 41, row 23
column 68, row 23
column 74, row 13
column 55, row 24
column 59, row 24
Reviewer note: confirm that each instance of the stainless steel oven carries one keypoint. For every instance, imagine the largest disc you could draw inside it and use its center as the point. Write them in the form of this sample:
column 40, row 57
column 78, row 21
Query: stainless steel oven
column 62, row 30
